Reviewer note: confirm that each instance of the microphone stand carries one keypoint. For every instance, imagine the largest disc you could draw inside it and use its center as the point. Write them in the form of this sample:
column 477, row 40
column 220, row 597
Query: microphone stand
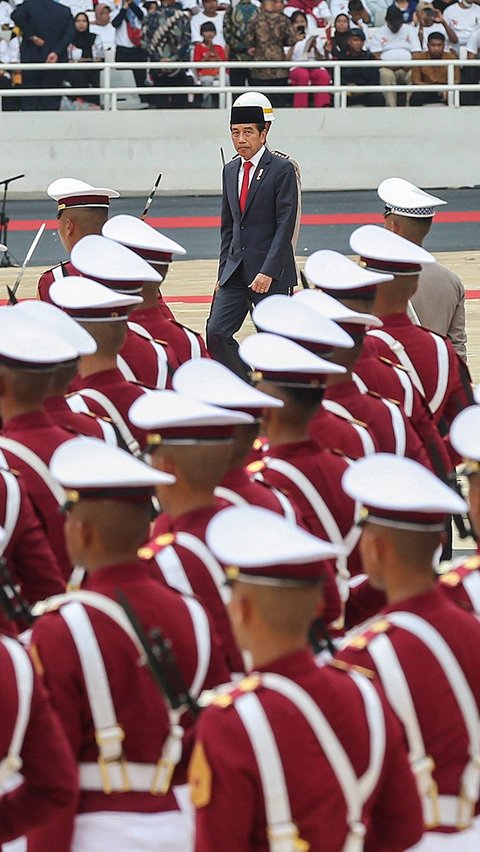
column 6, row 259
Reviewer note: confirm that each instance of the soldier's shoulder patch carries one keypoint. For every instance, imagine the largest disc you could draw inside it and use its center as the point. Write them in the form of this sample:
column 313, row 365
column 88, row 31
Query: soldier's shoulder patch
column 256, row 466
column 361, row 640
column 154, row 546
column 200, row 777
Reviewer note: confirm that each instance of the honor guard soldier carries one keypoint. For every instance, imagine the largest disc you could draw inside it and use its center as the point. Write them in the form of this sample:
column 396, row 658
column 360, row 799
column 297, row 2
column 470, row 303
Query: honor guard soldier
column 141, row 359
column 386, row 421
column 462, row 581
column 81, row 209
column 347, row 287
column 435, row 368
column 193, row 441
column 439, row 303
column 423, row 647
column 124, row 734
column 100, row 386
column 282, row 757
column 154, row 315
column 209, row 381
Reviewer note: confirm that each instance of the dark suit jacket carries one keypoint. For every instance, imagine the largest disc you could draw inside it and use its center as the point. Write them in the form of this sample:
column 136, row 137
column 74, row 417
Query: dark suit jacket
column 261, row 238
column 49, row 20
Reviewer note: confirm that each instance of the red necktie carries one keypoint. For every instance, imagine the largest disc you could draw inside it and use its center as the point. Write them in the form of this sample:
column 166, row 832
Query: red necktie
column 245, row 184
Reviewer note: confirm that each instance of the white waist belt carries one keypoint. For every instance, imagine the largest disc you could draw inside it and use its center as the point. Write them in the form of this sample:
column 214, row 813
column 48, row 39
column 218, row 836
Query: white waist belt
column 454, row 812
column 140, row 777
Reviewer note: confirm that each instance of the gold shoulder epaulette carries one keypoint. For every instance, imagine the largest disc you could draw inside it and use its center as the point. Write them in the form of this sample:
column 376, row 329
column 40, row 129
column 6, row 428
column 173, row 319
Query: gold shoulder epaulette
column 343, row 666
column 256, row 466
column 248, row 684
column 392, row 363
column 48, row 605
column 360, row 642
column 155, row 546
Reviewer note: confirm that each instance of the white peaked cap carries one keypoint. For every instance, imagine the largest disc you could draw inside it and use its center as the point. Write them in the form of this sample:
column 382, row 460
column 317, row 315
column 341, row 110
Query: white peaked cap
column 139, row 236
column 400, row 492
column 330, row 270
column 210, row 381
column 249, row 99
column 25, row 345
column 278, row 357
column 406, row 199
column 71, row 188
column 327, row 306
column 281, row 315
column 252, row 538
column 89, row 301
column 464, row 433
column 49, row 317
column 168, row 409
column 88, row 463
column 112, row 264
column 385, row 251
column 2, row 247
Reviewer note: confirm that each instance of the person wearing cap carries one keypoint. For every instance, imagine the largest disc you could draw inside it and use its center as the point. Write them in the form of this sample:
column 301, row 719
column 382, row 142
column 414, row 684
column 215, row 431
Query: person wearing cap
column 248, row 783
column 154, row 315
column 193, row 442
column 395, row 40
column 422, row 646
column 363, row 76
column 118, row 722
column 435, row 368
column 259, row 207
column 82, row 209
column 461, row 581
column 209, row 381
column 439, row 302
column 100, row 387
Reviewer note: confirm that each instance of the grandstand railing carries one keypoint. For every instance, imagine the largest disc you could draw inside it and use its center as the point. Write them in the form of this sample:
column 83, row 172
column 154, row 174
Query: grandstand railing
column 109, row 93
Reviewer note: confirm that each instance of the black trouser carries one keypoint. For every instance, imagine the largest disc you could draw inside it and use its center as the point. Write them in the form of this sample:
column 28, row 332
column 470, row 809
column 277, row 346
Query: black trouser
column 421, row 98
column 280, row 100
column 239, row 77
column 231, row 304
column 42, row 80
column 8, row 104
column 174, row 101
column 133, row 54
column 368, row 99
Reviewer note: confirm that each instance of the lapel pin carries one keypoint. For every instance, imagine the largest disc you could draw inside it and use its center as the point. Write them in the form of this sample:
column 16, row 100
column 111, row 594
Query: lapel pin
column 260, row 174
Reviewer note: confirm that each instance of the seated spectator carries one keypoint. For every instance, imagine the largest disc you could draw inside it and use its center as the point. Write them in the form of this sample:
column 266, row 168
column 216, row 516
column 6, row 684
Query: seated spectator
column 432, row 75
column 395, row 41
column 10, row 52
column 76, row 6
column 429, row 20
column 359, row 16
column 336, row 44
column 85, row 47
column 128, row 29
column 211, row 14
column 307, row 48
column 356, row 50
column 207, row 51
column 166, row 37
column 318, row 14
column 340, row 7
column 407, row 8
column 463, row 17
column 235, row 23
column 471, row 74
column 473, row 45
column 6, row 22
column 268, row 33
column 103, row 28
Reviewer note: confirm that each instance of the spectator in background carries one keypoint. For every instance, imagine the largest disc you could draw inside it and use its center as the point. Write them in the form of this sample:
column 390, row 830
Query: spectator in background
column 235, row 24
column 471, row 74
column 318, row 14
column 356, row 50
column 407, row 8
column 307, row 48
column 10, row 52
column 85, row 47
column 127, row 24
column 359, row 16
column 429, row 20
column 166, row 38
column 395, row 41
column 268, row 33
column 207, row 51
column 103, row 28
column 431, row 75
column 47, row 29
column 211, row 14
column 463, row 17
column 336, row 44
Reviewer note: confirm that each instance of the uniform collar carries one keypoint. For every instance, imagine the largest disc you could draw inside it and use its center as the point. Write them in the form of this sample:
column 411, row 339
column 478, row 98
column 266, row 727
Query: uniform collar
column 421, row 604
column 256, row 158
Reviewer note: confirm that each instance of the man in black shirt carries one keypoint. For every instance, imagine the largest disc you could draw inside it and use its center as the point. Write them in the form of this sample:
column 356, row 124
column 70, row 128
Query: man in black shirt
column 360, row 76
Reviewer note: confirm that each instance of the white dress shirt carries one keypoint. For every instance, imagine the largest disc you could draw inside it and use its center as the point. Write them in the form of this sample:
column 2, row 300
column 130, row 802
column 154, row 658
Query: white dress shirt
column 255, row 161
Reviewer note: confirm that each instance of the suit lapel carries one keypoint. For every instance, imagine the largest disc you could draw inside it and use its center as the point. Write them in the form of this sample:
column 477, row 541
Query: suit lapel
column 232, row 188
column 258, row 177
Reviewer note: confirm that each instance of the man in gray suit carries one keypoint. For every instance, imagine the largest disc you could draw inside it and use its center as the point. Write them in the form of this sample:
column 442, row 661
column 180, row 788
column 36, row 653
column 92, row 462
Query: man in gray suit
column 259, row 207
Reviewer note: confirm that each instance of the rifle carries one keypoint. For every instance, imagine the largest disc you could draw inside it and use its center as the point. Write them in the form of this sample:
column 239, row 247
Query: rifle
column 161, row 662
column 150, row 198
column 12, row 601
column 12, row 291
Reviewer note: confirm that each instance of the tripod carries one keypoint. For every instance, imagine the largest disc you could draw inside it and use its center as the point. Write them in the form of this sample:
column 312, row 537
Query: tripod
column 6, row 259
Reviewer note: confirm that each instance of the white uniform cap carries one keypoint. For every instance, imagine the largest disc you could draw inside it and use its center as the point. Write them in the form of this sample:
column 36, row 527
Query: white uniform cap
column 464, row 433
column 23, row 345
column 141, row 238
column 281, row 315
column 254, row 99
column 49, row 317
column 399, row 492
column 112, row 264
column 406, row 199
column 70, row 192
column 260, row 546
column 209, row 381
column 332, row 271
column 2, row 247
column 90, row 465
column 381, row 250
column 89, row 301
column 327, row 306
column 280, row 360
column 178, row 419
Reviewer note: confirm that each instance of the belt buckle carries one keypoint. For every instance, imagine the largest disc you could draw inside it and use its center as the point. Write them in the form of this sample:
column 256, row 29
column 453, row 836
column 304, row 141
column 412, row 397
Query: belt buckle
column 162, row 777
column 465, row 807
column 432, row 795
column 106, row 739
column 288, row 831
column 105, row 766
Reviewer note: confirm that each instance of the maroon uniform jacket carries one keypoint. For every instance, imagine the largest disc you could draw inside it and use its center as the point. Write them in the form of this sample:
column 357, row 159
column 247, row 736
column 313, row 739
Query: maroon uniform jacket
column 49, row 786
column 139, row 705
column 331, row 432
column 62, row 270
column 81, row 423
column 237, row 483
column 182, row 341
column 39, row 433
column 462, row 583
column 235, row 808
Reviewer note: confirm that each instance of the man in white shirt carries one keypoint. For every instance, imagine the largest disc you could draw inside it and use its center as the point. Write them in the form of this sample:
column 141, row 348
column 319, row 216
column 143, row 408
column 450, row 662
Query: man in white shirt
column 394, row 41
column 431, row 20
column 463, row 17
column 211, row 14
column 104, row 30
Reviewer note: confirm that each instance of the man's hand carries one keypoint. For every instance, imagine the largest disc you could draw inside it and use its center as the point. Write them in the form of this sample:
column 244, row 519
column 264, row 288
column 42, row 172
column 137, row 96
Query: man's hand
column 37, row 41
column 216, row 288
column 261, row 283
column 52, row 57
